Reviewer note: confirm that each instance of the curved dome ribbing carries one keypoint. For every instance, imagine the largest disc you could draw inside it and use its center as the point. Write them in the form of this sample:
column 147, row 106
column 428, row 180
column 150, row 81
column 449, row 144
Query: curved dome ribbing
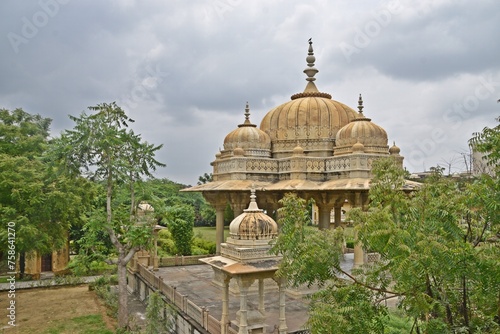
column 311, row 119
column 361, row 130
column 253, row 224
column 305, row 118
column 248, row 137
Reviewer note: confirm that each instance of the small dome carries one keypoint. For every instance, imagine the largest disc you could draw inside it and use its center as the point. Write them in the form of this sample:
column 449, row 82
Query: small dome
column 364, row 131
column 394, row 149
column 358, row 147
column 298, row 150
column 144, row 208
column 239, row 151
column 253, row 224
column 249, row 138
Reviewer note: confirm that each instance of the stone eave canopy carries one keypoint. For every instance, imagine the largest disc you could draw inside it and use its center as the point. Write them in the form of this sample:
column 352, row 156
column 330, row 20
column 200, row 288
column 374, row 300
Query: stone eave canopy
column 232, row 267
column 354, row 184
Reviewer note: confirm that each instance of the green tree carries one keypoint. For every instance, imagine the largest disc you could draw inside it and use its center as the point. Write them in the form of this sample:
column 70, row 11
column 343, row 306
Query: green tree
column 433, row 242
column 440, row 255
column 103, row 148
column 180, row 219
column 41, row 205
column 488, row 142
column 312, row 256
column 205, row 178
column 169, row 194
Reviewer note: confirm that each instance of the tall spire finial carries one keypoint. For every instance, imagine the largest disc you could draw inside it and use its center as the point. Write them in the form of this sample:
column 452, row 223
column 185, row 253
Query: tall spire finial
column 247, row 113
column 247, row 118
column 360, row 104
column 310, row 71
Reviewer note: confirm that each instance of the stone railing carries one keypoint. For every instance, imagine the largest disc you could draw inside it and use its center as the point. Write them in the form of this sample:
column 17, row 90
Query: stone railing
column 181, row 260
column 232, row 168
column 246, row 254
column 200, row 315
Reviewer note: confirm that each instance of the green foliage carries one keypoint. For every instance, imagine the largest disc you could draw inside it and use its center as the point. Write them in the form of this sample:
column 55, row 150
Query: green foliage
column 205, row 178
column 397, row 323
column 309, row 255
column 42, row 205
column 109, row 298
column 345, row 309
column 103, row 148
column 488, row 142
column 180, row 220
column 203, row 246
column 87, row 266
column 102, row 286
column 155, row 322
column 166, row 245
column 433, row 245
column 440, row 251
column 209, row 233
column 87, row 324
column 208, row 216
column 169, row 193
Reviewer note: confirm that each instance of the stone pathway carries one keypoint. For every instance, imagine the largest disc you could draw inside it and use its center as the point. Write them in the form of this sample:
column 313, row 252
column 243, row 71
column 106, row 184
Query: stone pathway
column 48, row 282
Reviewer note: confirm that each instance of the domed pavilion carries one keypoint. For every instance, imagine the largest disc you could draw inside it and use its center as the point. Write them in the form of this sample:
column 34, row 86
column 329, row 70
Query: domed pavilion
column 311, row 145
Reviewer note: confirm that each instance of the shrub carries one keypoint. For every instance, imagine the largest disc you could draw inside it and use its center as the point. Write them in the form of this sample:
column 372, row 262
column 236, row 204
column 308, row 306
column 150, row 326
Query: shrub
column 166, row 247
column 208, row 246
column 102, row 287
column 81, row 265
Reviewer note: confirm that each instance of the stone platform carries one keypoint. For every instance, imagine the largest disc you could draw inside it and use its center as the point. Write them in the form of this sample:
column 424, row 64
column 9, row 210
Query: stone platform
column 196, row 282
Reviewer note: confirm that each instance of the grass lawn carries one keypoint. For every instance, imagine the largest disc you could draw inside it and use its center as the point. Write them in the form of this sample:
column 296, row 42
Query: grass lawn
column 208, row 233
column 62, row 310
column 87, row 324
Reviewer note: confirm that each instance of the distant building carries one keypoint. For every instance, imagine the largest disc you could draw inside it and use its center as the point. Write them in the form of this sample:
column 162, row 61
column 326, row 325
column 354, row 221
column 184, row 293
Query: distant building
column 38, row 265
column 479, row 164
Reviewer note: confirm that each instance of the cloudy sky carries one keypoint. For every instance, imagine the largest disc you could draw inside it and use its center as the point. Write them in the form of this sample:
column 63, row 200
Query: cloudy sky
column 429, row 70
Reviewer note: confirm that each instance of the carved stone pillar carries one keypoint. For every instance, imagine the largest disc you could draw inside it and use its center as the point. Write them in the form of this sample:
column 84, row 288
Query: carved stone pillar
column 262, row 308
column 324, row 216
column 219, row 202
column 155, row 255
column 282, row 300
column 219, row 226
column 225, row 304
column 337, row 215
column 325, row 203
column 360, row 201
column 243, row 284
column 359, row 254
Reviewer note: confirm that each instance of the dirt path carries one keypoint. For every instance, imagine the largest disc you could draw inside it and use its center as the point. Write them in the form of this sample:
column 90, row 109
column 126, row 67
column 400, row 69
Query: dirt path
column 38, row 309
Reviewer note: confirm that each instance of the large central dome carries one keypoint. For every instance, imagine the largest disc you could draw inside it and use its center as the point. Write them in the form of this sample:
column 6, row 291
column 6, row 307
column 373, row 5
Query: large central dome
column 311, row 119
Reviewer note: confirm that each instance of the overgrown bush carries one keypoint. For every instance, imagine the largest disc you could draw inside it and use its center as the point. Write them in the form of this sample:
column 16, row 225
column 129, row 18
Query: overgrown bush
column 208, row 246
column 81, row 265
column 180, row 220
column 103, row 288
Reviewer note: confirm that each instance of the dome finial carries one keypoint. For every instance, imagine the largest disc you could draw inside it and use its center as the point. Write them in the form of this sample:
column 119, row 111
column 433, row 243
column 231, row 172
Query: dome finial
column 360, row 105
column 247, row 113
column 310, row 71
column 247, row 118
column 253, row 203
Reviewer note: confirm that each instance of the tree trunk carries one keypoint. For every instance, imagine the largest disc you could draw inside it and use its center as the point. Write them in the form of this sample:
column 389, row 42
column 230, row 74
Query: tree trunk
column 464, row 303
column 122, row 292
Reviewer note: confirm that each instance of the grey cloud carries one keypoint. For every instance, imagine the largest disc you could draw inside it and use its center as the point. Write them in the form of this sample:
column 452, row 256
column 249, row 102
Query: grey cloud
column 184, row 70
